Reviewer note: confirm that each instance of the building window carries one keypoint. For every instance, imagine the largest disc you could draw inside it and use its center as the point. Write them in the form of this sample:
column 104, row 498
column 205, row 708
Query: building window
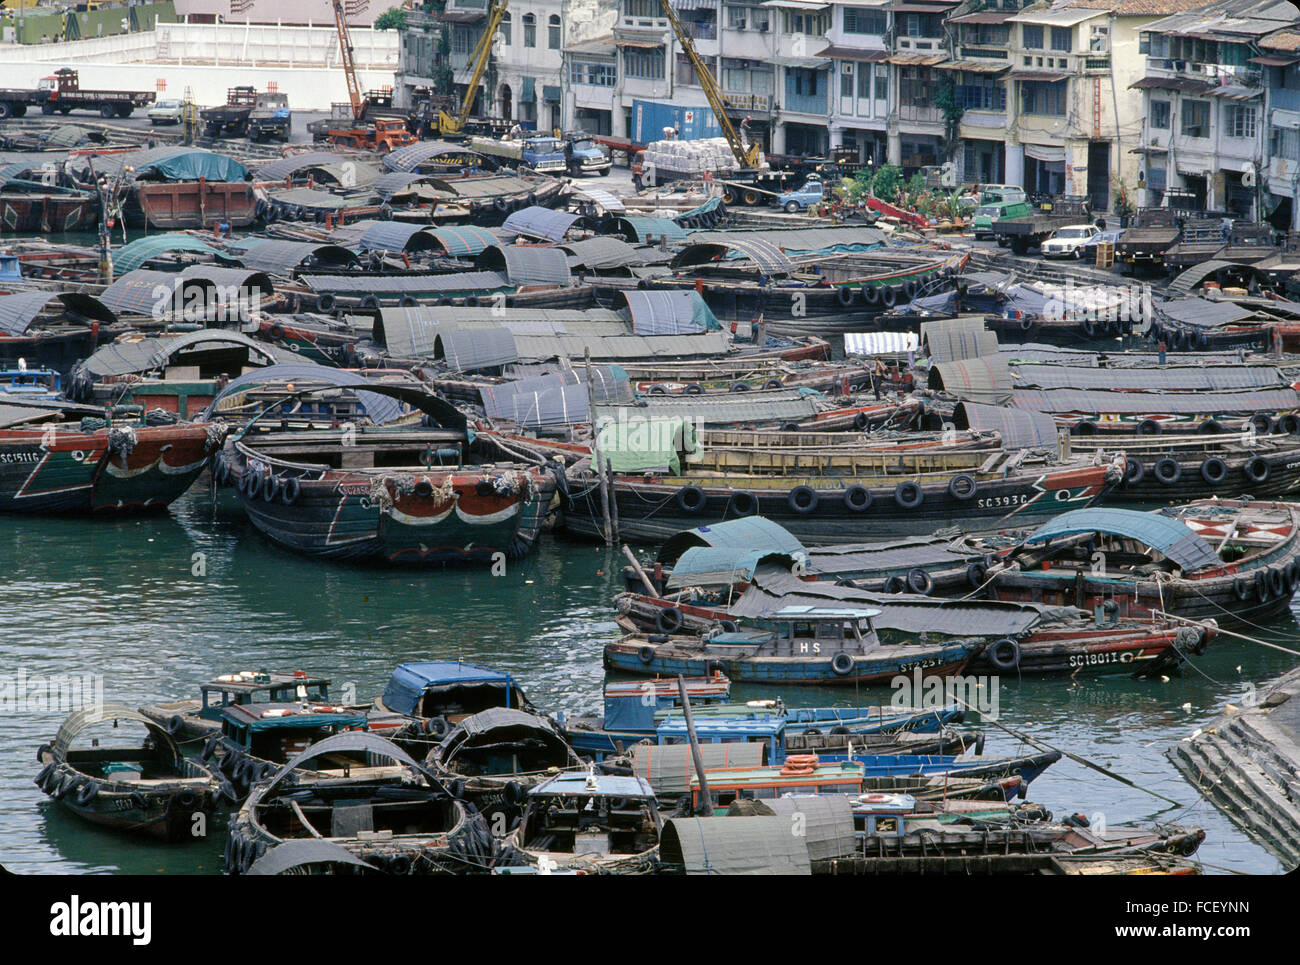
column 737, row 18
column 980, row 93
column 806, row 23
column 1195, row 119
column 1241, row 121
column 598, row 75
column 1032, row 36
column 504, row 29
column 1284, row 142
column 864, row 81
column 1100, row 42
column 462, row 40
column 864, row 20
column 882, row 82
column 530, row 30
column 643, row 64
column 643, row 8
column 846, row 80
column 1061, row 38
column 1160, row 115
column 1043, row 97
column 553, row 32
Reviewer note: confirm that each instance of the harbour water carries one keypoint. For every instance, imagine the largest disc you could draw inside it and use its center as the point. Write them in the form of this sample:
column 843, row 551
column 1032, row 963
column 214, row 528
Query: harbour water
column 157, row 604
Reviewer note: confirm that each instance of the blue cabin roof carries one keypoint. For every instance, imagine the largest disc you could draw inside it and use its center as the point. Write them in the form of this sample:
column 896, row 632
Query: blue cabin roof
column 744, row 534
column 1173, row 539
column 723, row 729
column 410, row 681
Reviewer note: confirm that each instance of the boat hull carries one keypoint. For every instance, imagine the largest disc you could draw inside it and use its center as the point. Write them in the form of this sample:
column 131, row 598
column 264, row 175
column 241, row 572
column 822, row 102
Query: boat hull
column 117, row 470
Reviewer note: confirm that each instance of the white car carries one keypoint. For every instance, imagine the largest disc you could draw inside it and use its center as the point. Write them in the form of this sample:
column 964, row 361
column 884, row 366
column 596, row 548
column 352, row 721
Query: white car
column 1068, row 242
column 166, row 112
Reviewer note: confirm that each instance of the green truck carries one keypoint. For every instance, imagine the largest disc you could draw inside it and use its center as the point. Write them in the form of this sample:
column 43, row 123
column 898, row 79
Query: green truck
column 1030, row 229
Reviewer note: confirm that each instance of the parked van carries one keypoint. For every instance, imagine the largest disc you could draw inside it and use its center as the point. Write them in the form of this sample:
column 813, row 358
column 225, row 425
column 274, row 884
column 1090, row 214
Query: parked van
column 986, row 214
column 991, row 193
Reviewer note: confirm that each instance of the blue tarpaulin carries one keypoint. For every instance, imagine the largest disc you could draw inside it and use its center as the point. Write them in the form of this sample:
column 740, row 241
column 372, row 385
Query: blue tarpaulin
column 411, row 681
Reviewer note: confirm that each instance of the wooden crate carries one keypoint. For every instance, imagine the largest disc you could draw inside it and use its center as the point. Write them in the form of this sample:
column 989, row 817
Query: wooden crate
column 1106, row 254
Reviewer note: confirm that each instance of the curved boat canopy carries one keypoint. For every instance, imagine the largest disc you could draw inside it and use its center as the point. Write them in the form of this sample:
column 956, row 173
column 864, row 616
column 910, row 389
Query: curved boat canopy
column 1175, row 540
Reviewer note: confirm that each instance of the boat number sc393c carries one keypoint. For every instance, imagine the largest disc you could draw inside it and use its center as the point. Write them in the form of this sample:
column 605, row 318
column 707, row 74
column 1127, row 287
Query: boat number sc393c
column 994, row 502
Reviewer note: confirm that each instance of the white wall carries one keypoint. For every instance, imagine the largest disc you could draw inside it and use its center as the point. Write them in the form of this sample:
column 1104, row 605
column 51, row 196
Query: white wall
column 301, row 61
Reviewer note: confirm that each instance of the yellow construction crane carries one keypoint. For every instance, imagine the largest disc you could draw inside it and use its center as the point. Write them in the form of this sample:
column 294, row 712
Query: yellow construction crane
column 747, row 155
column 349, row 66
column 456, row 125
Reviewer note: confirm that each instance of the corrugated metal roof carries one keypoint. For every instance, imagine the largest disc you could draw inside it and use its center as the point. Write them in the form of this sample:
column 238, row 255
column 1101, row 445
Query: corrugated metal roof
column 527, row 265
column 545, row 401
column 229, row 279
column 387, row 185
column 313, row 199
column 145, row 292
column 876, row 559
column 474, row 349
column 124, row 358
column 19, row 310
column 763, row 253
column 131, row 256
column 395, row 286
column 726, row 409
column 1203, row 312
column 734, row 846
column 986, row 379
column 669, row 312
column 395, row 236
column 545, row 224
column 624, row 348
column 650, row 230
column 280, row 256
column 1136, row 403
column 1169, row 536
column 750, row 532
column 880, row 343
column 277, row 169
column 1020, row 428
column 773, row 588
column 413, row 155
column 1175, row 378
column 380, row 409
column 954, row 339
column 826, row 821
column 611, row 203
column 298, row 852
column 463, row 241
column 796, row 241
column 602, row 252
column 669, row 768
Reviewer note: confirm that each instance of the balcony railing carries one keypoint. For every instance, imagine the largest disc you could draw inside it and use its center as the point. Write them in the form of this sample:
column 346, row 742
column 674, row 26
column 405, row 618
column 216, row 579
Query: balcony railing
column 805, row 103
column 919, row 112
column 1096, row 63
column 981, row 51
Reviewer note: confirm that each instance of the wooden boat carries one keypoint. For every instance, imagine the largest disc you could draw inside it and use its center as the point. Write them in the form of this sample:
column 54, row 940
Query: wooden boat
column 92, row 467
column 257, row 740
column 30, row 206
column 808, row 647
column 432, row 696
column 47, row 329
column 900, row 826
column 1034, row 639
column 191, row 204
column 198, row 718
column 149, row 788
column 390, row 813
column 493, row 757
column 881, row 496
column 1223, row 560
column 594, row 823
column 769, row 730
column 1160, row 468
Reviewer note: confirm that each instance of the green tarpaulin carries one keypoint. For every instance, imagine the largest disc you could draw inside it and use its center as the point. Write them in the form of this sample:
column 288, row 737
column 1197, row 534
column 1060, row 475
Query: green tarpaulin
column 637, row 444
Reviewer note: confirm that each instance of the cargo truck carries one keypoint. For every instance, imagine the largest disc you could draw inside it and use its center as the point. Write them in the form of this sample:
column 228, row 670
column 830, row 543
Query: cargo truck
column 61, row 93
column 1028, row 231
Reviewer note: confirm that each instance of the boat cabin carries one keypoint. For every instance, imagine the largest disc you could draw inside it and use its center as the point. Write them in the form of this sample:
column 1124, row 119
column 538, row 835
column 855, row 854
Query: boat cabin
column 451, row 690
column 635, row 705
column 247, row 687
column 799, row 775
column 277, row 731
column 804, row 631
column 31, row 383
column 581, row 814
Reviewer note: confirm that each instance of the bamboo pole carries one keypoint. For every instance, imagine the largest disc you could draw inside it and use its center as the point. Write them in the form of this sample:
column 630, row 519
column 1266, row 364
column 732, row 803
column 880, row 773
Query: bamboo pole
column 706, row 807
